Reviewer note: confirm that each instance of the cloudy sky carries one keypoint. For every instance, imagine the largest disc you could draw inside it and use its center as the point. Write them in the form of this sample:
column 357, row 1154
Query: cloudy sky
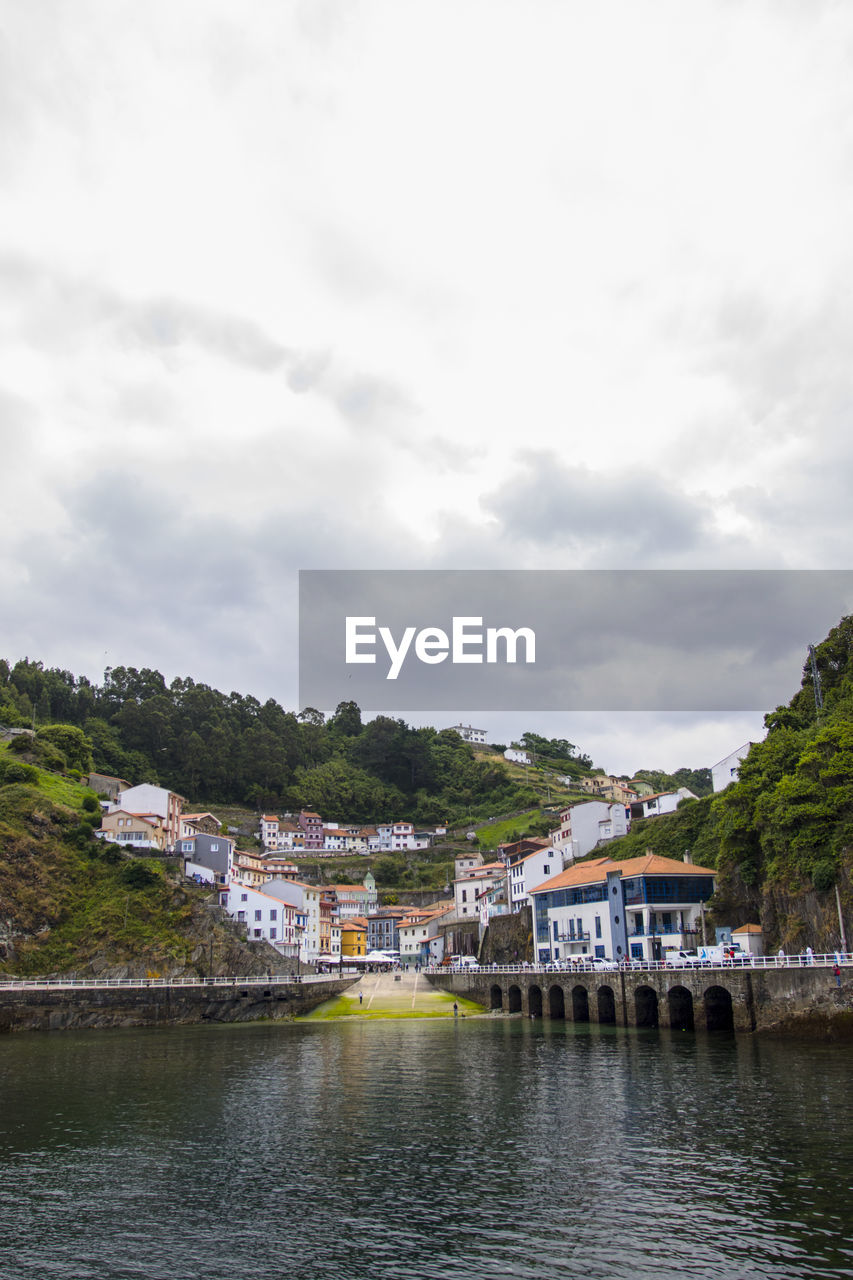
column 414, row 284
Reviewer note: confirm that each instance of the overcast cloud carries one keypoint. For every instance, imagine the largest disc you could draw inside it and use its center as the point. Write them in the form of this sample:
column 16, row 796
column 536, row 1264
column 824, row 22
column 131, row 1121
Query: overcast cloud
column 413, row 284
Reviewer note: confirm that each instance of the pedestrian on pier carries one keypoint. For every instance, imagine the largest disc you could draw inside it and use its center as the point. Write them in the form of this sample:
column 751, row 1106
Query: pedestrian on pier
column 837, row 971
column 360, row 996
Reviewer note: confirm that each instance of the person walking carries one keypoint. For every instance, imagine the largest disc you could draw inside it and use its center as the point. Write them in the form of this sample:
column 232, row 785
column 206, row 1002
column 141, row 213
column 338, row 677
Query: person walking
column 837, row 971
column 360, row 996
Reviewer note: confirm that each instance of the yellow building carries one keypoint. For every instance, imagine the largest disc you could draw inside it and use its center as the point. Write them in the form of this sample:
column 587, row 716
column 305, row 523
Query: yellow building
column 353, row 937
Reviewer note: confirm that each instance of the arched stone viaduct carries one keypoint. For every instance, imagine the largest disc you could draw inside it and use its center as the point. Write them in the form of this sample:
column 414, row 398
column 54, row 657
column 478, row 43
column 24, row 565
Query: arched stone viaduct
column 684, row 999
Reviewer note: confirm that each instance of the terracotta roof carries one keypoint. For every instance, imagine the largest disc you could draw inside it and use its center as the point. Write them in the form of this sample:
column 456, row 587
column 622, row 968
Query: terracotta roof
column 595, row 871
column 269, row 817
column 748, row 928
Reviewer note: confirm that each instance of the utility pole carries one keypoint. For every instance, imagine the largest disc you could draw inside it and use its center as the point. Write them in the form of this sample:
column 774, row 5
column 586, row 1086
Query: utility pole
column 818, row 693
column 840, row 918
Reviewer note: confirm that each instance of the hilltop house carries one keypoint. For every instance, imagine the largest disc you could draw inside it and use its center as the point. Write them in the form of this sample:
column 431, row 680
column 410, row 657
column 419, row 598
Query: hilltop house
column 585, row 825
column 148, row 799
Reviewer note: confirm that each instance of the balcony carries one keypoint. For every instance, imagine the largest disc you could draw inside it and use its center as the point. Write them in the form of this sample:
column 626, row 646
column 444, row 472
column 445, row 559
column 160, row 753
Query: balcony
column 578, row 936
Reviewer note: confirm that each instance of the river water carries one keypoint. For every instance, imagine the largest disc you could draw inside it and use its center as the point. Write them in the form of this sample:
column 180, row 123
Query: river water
column 480, row 1148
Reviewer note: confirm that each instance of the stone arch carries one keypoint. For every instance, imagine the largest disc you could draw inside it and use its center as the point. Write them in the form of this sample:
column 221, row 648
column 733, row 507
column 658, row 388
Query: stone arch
column 556, row 1002
column 680, row 1002
column 606, row 1005
column 645, row 1007
column 719, row 1014
column 497, row 997
column 514, row 996
column 534, row 1001
column 580, row 1004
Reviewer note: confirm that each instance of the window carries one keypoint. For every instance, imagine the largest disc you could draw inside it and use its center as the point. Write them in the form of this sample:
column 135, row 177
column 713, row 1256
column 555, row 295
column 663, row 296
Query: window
column 187, row 846
column 258, row 914
column 274, row 913
column 272, row 933
column 598, row 926
column 257, row 933
column 214, row 848
column 546, row 870
column 464, row 895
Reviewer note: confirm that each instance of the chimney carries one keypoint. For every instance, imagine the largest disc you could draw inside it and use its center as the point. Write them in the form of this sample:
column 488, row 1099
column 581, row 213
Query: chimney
column 688, row 857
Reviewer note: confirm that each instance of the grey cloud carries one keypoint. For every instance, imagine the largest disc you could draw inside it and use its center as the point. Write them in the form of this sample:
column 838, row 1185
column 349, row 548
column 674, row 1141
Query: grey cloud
column 632, row 511
column 56, row 311
column 167, row 323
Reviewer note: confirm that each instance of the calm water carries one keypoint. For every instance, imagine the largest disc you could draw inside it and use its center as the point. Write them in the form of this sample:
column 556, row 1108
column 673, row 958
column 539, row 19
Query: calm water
column 480, row 1149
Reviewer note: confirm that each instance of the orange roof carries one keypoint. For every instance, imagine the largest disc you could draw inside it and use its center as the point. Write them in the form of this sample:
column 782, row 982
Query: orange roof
column 748, row 928
column 269, row 817
column 595, row 871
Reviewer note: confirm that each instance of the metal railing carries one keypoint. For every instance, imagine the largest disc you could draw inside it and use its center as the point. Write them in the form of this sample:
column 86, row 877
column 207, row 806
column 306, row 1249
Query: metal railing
column 102, row 984
column 826, row 960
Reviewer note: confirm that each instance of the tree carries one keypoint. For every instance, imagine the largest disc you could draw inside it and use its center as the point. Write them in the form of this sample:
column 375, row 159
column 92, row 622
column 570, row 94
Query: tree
column 72, row 742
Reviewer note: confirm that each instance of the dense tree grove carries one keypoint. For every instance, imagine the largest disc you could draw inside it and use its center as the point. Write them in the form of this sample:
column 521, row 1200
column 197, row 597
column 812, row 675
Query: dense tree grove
column 786, row 825
column 230, row 748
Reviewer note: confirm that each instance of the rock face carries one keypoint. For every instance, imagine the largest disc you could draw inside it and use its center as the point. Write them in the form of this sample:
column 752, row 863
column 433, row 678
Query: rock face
column 509, row 939
column 809, row 918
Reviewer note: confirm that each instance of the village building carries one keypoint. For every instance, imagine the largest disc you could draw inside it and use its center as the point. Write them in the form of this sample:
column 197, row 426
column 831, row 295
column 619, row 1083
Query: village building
column 630, row 910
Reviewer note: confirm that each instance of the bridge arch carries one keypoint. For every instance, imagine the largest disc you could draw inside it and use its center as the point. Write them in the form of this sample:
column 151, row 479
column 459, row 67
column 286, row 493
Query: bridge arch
column 680, row 1002
column 580, row 1004
column 514, row 999
column 719, row 1014
column 646, row 1007
column 496, row 997
column 534, row 1001
column 606, row 1005
column 556, row 1002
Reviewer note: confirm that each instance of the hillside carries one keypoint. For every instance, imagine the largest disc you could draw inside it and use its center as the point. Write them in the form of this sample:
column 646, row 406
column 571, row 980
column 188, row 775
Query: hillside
column 781, row 837
column 226, row 749
column 71, row 904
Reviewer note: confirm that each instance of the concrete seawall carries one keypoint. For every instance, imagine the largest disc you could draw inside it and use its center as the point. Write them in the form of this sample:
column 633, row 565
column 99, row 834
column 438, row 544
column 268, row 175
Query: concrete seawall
column 64, row 1008
column 805, row 1000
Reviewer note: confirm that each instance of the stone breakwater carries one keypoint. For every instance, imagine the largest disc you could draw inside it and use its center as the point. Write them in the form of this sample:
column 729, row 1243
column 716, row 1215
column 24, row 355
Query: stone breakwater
column 70, row 1007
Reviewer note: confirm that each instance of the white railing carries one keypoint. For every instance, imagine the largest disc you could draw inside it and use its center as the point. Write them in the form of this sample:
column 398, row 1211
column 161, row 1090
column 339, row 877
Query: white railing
column 826, row 960
column 103, row 984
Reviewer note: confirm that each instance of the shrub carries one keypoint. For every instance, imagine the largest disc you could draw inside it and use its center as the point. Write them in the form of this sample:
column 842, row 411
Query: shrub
column 823, row 875
column 17, row 771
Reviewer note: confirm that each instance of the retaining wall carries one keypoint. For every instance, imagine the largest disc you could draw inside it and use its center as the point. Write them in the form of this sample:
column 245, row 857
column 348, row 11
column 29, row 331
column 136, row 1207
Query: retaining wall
column 66, row 1008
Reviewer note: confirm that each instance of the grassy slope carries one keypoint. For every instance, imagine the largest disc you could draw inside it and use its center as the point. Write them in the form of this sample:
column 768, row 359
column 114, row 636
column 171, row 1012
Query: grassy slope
column 68, row 903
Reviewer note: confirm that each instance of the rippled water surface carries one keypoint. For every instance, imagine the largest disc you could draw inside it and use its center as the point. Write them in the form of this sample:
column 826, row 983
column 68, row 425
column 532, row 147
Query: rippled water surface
column 482, row 1148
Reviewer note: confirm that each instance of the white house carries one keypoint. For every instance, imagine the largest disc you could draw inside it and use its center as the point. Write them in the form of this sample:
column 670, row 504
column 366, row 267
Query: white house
column 305, row 898
column 472, row 883
column 726, row 770
column 469, row 734
column 418, row 932
column 517, row 756
column 634, row 909
column 266, row 916
column 149, row 799
column 660, row 802
column 585, row 825
column 528, row 870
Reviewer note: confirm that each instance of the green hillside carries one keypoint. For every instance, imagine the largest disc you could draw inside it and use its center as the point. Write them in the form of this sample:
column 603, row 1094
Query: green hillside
column 69, row 903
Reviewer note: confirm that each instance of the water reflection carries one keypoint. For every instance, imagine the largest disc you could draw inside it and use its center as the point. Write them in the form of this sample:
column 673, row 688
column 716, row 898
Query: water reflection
column 478, row 1149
